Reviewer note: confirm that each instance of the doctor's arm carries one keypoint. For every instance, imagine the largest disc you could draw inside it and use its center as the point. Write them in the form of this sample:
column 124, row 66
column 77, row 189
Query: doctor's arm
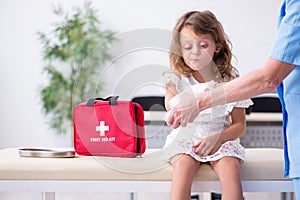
column 259, row 81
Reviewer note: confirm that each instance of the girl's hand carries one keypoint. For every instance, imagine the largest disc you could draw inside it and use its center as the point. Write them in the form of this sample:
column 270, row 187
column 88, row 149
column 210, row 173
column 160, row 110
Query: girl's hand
column 207, row 146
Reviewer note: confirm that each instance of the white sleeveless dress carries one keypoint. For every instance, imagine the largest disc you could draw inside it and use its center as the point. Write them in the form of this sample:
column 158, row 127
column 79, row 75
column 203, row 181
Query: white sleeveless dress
column 209, row 122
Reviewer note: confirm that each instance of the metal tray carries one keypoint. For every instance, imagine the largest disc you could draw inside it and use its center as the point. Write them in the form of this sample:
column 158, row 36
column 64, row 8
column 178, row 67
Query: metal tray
column 46, row 153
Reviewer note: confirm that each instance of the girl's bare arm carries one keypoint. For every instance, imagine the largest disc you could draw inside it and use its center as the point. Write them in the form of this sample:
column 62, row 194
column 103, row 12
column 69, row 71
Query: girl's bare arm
column 211, row 144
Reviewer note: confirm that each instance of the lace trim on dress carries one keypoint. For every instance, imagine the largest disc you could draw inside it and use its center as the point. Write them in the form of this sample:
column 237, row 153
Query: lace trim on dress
column 230, row 148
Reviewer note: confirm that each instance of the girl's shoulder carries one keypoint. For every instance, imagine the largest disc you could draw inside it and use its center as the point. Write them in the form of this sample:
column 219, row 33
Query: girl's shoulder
column 171, row 76
column 179, row 81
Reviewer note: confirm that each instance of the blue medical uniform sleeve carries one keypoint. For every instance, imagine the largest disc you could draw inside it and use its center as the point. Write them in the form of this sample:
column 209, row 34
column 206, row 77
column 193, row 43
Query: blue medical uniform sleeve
column 286, row 47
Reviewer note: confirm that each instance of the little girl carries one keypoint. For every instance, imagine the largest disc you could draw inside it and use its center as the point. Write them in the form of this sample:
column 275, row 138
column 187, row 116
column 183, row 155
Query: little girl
column 200, row 58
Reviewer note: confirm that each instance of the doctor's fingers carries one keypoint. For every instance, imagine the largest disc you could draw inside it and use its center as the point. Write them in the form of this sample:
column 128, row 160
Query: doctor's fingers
column 170, row 118
column 186, row 117
column 189, row 113
column 174, row 119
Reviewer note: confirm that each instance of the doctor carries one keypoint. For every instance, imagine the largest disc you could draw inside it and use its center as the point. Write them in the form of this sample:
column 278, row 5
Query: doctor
column 282, row 71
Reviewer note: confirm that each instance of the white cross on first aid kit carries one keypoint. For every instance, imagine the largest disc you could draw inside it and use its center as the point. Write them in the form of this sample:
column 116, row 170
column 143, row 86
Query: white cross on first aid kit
column 102, row 128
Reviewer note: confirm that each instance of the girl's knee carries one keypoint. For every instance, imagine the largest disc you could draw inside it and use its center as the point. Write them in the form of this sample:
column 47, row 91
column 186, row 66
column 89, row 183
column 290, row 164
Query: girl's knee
column 227, row 167
column 233, row 162
column 227, row 161
column 184, row 162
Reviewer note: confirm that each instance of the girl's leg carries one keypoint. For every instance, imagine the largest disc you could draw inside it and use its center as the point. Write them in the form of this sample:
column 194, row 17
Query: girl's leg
column 228, row 171
column 184, row 170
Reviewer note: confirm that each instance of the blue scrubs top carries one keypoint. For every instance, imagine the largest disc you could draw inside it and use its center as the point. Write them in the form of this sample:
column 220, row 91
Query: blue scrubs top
column 286, row 48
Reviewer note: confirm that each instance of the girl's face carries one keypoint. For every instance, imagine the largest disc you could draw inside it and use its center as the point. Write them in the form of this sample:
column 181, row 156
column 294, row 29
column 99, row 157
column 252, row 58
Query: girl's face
column 197, row 50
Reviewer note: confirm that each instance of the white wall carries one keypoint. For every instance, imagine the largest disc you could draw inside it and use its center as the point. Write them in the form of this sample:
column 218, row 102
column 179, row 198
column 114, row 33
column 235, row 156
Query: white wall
column 250, row 24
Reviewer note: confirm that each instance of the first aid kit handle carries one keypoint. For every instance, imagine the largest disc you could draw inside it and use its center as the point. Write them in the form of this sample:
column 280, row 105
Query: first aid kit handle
column 111, row 99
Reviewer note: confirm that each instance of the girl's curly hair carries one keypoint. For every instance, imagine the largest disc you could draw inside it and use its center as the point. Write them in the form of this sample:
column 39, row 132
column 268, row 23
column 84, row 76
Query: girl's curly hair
column 206, row 23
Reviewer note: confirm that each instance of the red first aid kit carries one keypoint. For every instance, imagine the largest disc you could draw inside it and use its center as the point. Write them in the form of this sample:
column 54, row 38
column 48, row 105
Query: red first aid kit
column 108, row 127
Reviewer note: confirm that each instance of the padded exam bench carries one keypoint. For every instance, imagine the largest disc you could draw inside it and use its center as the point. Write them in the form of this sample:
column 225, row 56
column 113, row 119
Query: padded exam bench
column 261, row 172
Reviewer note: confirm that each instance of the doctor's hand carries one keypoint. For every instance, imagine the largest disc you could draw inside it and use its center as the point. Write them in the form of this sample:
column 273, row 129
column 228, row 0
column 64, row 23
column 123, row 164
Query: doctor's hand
column 185, row 108
column 207, row 146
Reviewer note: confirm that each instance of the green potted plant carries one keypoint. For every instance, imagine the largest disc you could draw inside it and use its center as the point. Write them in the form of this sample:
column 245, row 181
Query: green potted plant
column 73, row 52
